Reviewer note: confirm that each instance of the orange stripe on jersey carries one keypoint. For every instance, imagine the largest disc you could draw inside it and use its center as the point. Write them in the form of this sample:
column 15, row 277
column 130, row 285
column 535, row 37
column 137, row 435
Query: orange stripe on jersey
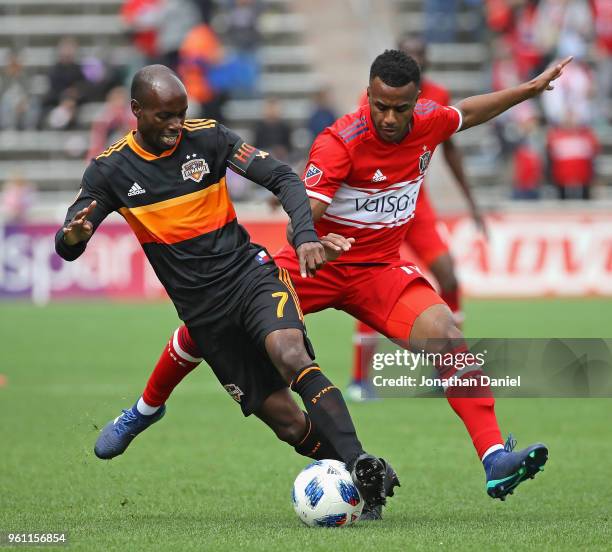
column 199, row 121
column 115, row 147
column 131, row 141
column 198, row 127
column 182, row 218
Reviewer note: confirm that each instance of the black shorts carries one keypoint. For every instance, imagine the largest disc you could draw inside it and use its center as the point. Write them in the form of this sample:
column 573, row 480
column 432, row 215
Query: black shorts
column 234, row 346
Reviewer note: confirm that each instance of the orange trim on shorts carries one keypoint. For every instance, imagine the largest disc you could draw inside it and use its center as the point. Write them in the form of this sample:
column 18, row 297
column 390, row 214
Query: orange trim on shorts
column 285, row 278
column 181, row 218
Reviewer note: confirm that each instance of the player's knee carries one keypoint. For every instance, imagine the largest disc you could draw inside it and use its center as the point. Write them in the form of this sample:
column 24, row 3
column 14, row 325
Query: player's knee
column 435, row 330
column 288, row 353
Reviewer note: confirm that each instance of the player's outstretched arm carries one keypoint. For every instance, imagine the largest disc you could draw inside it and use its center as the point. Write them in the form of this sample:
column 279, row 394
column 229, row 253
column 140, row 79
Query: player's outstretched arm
column 479, row 109
column 91, row 206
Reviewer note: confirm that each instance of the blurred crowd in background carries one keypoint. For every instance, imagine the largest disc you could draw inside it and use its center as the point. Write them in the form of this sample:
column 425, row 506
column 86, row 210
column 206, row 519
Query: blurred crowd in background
column 213, row 47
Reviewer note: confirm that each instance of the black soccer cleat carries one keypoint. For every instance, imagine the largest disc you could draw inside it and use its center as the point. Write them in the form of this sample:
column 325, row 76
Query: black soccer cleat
column 505, row 470
column 368, row 474
column 374, row 513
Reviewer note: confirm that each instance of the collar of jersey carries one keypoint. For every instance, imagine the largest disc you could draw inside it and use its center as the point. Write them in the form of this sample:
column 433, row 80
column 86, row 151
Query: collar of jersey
column 131, row 141
column 374, row 133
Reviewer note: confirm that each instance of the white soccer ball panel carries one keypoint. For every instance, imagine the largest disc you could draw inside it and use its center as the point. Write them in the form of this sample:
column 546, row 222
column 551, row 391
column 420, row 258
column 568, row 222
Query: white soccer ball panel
column 324, row 495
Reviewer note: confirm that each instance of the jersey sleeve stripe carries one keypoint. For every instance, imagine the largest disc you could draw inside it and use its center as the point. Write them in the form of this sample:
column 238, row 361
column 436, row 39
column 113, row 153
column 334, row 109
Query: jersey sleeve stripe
column 351, row 137
column 193, row 128
column 115, row 147
column 199, row 121
column 182, row 218
column 352, row 126
column 317, row 195
column 460, row 118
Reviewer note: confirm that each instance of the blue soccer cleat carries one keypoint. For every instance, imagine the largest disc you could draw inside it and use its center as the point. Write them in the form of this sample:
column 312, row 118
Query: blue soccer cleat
column 117, row 435
column 505, row 469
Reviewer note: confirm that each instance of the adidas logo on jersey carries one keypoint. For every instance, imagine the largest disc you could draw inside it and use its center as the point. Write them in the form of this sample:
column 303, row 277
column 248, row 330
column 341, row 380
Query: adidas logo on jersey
column 136, row 190
column 378, row 176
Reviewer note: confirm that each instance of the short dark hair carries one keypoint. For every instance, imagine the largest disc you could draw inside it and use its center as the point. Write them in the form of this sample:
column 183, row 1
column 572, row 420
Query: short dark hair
column 395, row 69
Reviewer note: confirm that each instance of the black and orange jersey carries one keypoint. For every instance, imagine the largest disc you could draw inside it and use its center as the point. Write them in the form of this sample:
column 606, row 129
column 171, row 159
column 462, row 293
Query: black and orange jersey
column 178, row 206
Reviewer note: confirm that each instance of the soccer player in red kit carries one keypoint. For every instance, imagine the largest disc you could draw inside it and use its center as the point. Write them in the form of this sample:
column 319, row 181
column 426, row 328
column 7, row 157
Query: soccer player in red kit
column 363, row 179
column 423, row 234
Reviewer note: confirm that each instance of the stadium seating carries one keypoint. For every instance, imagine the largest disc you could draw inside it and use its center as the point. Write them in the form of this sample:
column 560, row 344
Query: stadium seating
column 54, row 160
column 464, row 68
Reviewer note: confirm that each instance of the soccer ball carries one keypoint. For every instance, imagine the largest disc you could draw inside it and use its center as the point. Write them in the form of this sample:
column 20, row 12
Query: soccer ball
column 324, row 495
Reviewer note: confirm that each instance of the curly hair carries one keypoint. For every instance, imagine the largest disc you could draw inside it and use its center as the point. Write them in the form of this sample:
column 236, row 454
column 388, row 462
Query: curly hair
column 395, row 69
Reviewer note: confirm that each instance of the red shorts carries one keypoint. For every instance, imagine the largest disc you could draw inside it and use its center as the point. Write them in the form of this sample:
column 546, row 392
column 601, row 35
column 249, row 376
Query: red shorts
column 423, row 235
column 368, row 292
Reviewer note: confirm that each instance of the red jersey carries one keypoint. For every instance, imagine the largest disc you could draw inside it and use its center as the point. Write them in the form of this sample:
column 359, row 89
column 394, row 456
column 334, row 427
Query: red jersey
column 371, row 185
column 572, row 155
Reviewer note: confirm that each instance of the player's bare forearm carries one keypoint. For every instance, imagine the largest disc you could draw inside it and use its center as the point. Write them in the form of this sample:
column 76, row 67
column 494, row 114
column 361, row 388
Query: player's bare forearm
column 480, row 109
column 454, row 160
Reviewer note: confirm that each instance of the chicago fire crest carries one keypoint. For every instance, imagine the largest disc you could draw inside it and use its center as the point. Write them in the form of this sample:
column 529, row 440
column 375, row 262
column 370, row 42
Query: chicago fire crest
column 424, row 161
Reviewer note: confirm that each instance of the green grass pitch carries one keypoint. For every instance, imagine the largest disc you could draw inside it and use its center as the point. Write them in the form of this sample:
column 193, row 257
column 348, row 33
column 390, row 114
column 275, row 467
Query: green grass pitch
column 205, row 478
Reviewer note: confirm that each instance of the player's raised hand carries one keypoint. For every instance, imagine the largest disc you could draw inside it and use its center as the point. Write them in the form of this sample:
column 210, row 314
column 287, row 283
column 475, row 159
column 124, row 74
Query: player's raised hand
column 543, row 80
column 311, row 256
column 79, row 228
column 335, row 245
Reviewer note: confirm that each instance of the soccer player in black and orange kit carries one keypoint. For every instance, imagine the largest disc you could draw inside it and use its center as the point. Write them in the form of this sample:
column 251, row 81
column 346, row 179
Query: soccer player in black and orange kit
column 167, row 179
column 363, row 179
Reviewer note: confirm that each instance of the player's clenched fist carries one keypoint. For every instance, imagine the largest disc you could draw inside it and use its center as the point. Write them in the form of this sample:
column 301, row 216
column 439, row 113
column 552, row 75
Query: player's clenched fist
column 335, row 245
column 79, row 228
column 311, row 256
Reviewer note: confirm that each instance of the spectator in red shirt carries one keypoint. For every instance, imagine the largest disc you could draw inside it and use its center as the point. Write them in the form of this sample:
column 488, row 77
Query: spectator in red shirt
column 572, row 151
column 528, row 159
column 142, row 19
column 602, row 11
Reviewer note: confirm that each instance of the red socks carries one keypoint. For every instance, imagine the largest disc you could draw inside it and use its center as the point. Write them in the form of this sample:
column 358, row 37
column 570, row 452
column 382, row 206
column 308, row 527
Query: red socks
column 475, row 406
column 180, row 357
column 362, row 351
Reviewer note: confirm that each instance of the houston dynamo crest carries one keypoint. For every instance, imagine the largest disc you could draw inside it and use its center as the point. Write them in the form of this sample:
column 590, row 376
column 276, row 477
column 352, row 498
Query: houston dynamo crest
column 195, row 169
column 234, row 392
